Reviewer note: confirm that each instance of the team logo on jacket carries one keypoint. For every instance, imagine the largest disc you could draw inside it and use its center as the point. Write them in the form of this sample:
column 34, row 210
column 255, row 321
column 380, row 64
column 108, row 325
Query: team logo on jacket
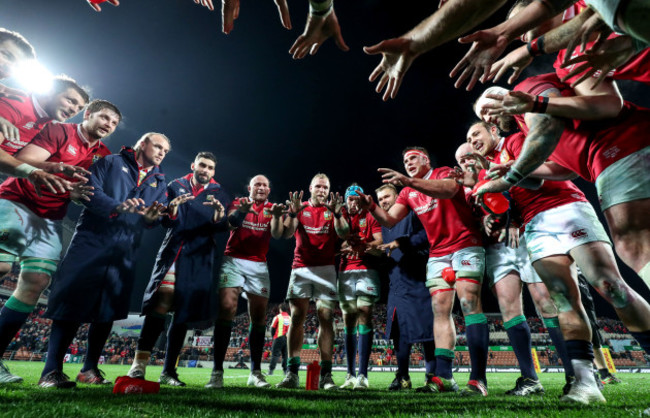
column 153, row 184
column 96, row 158
column 327, row 215
column 181, row 190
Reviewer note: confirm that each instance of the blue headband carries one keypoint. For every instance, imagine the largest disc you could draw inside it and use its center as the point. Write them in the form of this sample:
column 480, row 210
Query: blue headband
column 353, row 191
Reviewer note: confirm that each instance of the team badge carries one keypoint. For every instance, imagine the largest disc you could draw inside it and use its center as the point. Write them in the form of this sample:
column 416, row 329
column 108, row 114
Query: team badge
column 362, row 223
column 153, row 184
column 505, row 157
column 327, row 215
column 96, row 158
column 181, row 190
column 126, row 170
column 267, row 213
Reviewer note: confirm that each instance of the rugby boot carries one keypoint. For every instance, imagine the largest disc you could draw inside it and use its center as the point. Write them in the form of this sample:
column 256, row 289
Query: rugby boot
column 583, row 394
column 349, row 383
column 475, row 388
column 56, row 379
column 290, row 381
column 611, row 380
column 93, row 377
column 6, row 376
column 526, row 386
column 362, row 383
column 326, row 382
column 439, row 385
column 258, row 380
column 170, row 378
column 139, row 366
column 216, row 380
column 400, row 383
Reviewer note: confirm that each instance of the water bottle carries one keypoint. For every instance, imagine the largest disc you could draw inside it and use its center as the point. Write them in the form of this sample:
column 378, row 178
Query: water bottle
column 494, row 203
column 313, row 376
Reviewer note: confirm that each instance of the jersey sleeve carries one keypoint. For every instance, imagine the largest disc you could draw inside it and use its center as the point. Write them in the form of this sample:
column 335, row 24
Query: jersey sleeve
column 373, row 225
column 9, row 112
column 50, row 138
column 274, row 324
column 402, row 198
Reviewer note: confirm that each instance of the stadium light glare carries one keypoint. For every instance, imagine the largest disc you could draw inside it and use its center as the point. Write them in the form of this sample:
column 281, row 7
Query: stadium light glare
column 34, row 77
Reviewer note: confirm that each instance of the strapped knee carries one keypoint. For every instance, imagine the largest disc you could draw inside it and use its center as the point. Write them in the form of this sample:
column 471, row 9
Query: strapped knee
column 38, row 265
column 348, row 306
column 325, row 304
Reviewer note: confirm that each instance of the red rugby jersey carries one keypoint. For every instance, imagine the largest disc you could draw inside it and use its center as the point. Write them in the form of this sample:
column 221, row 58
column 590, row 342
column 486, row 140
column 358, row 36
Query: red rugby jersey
column 362, row 226
column 66, row 144
column 27, row 116
column 449, row 223
column 315, row 237
column 589, row 147
column 251, row 240
column 528, row 202
column 637, row 68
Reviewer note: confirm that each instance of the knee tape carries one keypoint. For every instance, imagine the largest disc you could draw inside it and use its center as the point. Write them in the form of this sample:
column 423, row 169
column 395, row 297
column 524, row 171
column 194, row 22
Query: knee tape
column 438, row 284
column 325, row 304
column 168, row 282
column 348, row 306
column 7, row 258
column 38, row 265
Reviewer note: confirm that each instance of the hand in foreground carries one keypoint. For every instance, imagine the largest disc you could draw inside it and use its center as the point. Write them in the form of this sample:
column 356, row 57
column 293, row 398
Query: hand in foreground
column 81, row 191
column 394, row 177
column 395, row 61
column 55, row 184
column 317, row 31
column 486, row 48
column 230, row 13
column 172, row 207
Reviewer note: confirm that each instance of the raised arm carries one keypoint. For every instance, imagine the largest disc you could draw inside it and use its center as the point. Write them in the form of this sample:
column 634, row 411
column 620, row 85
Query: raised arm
column 387, row 219
column 439, row 189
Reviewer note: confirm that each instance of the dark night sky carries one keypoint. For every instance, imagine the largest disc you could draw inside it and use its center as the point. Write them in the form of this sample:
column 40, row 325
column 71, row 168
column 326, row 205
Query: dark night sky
column 168, row 68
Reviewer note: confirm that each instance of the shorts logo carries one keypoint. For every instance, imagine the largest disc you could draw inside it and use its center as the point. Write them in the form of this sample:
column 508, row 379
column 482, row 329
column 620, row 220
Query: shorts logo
column 264, row 291
column 579, row 233
column 72, row 150
column 332, row 293
column 465, row 263
column 370, row 289
column 224, row 278
column 327, row 215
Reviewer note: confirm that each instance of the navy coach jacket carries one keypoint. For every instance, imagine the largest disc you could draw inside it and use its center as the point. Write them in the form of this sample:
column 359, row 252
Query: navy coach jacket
column 190, row 242
column 96, row 276
column 408, row 296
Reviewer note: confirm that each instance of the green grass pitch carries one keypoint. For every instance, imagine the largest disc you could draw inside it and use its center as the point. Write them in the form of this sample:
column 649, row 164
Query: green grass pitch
column 27, row 400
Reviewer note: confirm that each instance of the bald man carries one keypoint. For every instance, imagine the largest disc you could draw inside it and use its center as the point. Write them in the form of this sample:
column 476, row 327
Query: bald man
column 253, row 221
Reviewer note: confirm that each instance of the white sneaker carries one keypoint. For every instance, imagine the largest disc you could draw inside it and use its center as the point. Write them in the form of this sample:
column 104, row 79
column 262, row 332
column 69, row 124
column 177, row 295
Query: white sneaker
column 327, row 383
column 137, row 370
column 216, row 380
column 350, row 382
column 257, row 379
column 6, row 376
column 362, row 383
column 290, row 381
column 583, row 394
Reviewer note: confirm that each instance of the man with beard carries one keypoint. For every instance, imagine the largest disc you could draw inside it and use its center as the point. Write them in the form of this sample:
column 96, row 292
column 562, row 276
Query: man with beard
column 408, row 310
column 316, row 225
column 31, row 218
column 456, row 261
column 358, row 286
column 182, row 279
column 254, row 220
column 94, row 281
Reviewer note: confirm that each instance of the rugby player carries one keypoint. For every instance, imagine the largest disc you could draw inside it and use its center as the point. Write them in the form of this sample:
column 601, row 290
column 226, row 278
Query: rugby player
column 31, row 218
column 456, row 261
column 253, row 220
column 358, row 286
column 316, row 224
column 182, row 279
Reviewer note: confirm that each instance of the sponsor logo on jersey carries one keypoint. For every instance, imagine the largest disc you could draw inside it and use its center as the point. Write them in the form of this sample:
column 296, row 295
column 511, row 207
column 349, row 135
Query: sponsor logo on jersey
column 30, row 125
column 612, row 152
column 426, row 208
column 306, row 214
column 413, row 194
column 72, row 150
column 327, row 215
column 579, row 233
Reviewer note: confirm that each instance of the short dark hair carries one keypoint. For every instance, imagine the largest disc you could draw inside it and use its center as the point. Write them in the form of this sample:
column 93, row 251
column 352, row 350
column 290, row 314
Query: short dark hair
column 421, row 149
column 284, row 307
column 207, row 155
column 62, row 82
column 19, row 40
column 97, row 105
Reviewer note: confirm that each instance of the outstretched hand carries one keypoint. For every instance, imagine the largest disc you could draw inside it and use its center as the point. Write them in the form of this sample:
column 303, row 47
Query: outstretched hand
column 476, row 65
column 95, row 4
column 55, row 184
column 335, row 203
column 230, row 13
column 317, row 31
column 395, row 62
